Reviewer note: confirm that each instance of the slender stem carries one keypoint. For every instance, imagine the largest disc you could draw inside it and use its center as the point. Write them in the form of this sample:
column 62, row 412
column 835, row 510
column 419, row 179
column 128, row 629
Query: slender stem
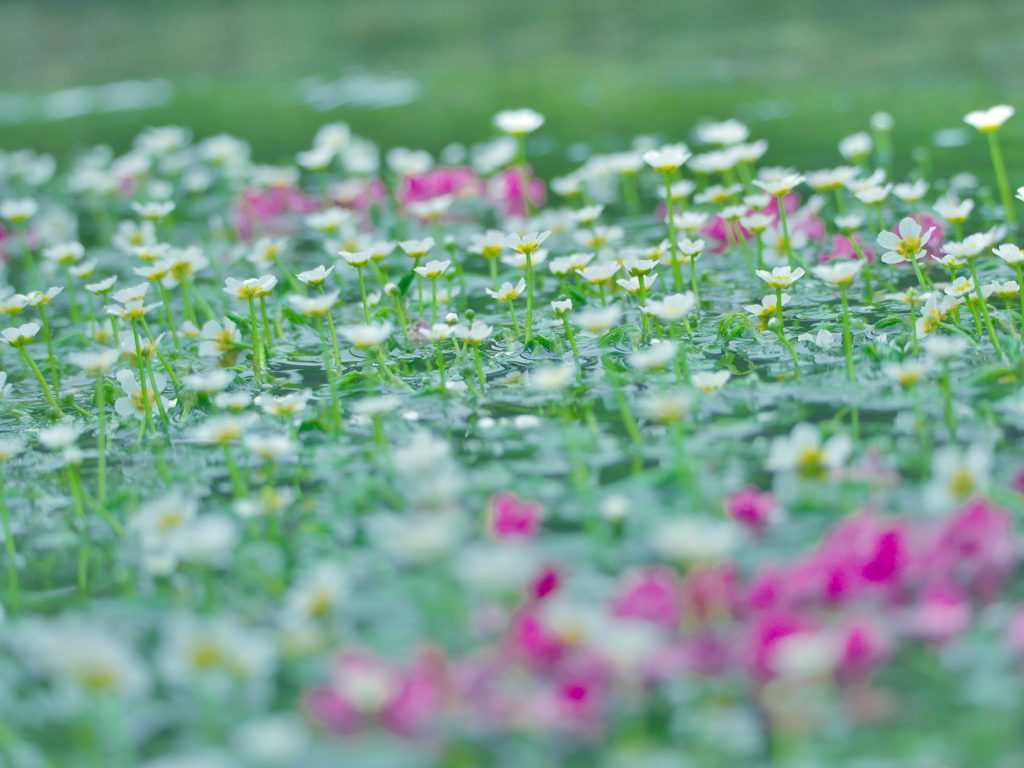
column 101, row 438
column 440, row 369
column 529, row 296
column 433, row 301
column 42, row 381
column 677, row 272
column 170, row 315
column 10, row 548
column 237, row 481
column 48, row 337
column 847, row 338
column 984, row 308
column 83, row 533
column 947, row 395
column 515, row 321
column 785, row 229
column 1004, row 183
column 255, row 333
column 572, row 338
column 1020, row 285
column 147, row 412
column 366, row 306
column 479, row 367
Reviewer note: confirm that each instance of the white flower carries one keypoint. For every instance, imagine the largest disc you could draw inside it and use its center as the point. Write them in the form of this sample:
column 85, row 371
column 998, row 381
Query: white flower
column 804, row 452
column 988, row 120
column 95, row 363
column 132, row 405
column 506, row 292
column 725, row 133
column 211, row 381
column 672, row 308
column 941, row 347
column 285, row 406
column 561, row 308
column 317, row 276
column 695, row 540
column 912, row 192
column 953, row 210
column 905, row 246
column 1010, row 253
column 667, row 407
column 957, row 475
column 417, row 249
column 20, row 336
column 477, row 334
column 595, row 274
column 856, row 147
column 710, row 381
column 908, row 372
column 366, row 336
column 840, row 272
column 65, row 253
column 313, row 306
column 654, row 357
column 550, row 378
column 489, row 245
column 667, row 159
column 780, row 277
column 597, row 320
column 18, row 210
column 359, row 258
column 59, row 437
column 518, row 122
column 780, row 186
column 528, row 243
column 220, row 430
column 433, row 270
column 254, row 286
column 153, row 211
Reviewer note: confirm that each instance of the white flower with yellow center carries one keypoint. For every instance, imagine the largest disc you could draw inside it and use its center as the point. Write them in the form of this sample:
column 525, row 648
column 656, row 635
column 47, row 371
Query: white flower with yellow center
column 507, row 292
column 669, row 159
column 154, row 210
column 65, row 253
column 1011, row 254
column 243, row 290
column 367, row 335
column 907, row 373
column 417, row 249
column 433, row 270
column 313, row 306
column 803, row 451
column 316, row 276
column 780, row 277
column 906, row 245
column 672, row 308
column 18, row 211
column 20, row 336
column 710, row 381
column 988, row 120
column 476, row 334
column 518, row 122
column 841, row 272
column 780, row 186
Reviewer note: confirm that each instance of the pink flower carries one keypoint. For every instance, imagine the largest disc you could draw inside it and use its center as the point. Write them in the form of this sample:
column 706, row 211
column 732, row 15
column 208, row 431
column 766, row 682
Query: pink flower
column 651, row 594
column 272, row 211
column 530, row 639
column 842, row 248
column 510, row 518
column 358, row 194
column 710, row 593
column 764, row 634
column 943, row 614
column 547, row 583
column 364, row 691
column 974, row 548
column 863, row 647
column 506, row 192
column 578, row 697
column 459, row 181
column 1015, row 631
column 751, row 508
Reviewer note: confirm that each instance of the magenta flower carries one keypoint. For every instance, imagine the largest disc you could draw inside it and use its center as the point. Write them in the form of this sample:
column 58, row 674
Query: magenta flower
column 272, row 211
column 459, row 181
column 506, row 192
column 764, row 634
column 863, row 646
column 750, row 508
column 364, row 691
column 578, row 697
column 842, row 248
column 651, row 594
column 510, row 518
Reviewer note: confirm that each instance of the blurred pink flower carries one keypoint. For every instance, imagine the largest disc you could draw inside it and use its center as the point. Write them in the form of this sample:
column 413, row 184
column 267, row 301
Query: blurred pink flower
column 510, row 518
column 272, row 211
column 750, row 507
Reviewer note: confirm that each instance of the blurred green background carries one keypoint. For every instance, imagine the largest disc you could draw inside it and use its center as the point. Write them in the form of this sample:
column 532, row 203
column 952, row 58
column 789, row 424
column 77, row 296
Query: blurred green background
column 424, row 73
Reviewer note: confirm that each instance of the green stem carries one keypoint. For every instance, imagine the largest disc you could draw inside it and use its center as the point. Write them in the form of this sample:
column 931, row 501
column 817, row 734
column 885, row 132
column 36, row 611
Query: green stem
column 1004, row 183
column 42, row 382
column 48, row 337
column 785, row 229
column 147, row 413
column 479, row 368
column 677, row 272
column 984, row 308
column 257, row 367
column 529, row 296
column 847, row 337
column 101, row 437
column 170, row 315
column 11, row 550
